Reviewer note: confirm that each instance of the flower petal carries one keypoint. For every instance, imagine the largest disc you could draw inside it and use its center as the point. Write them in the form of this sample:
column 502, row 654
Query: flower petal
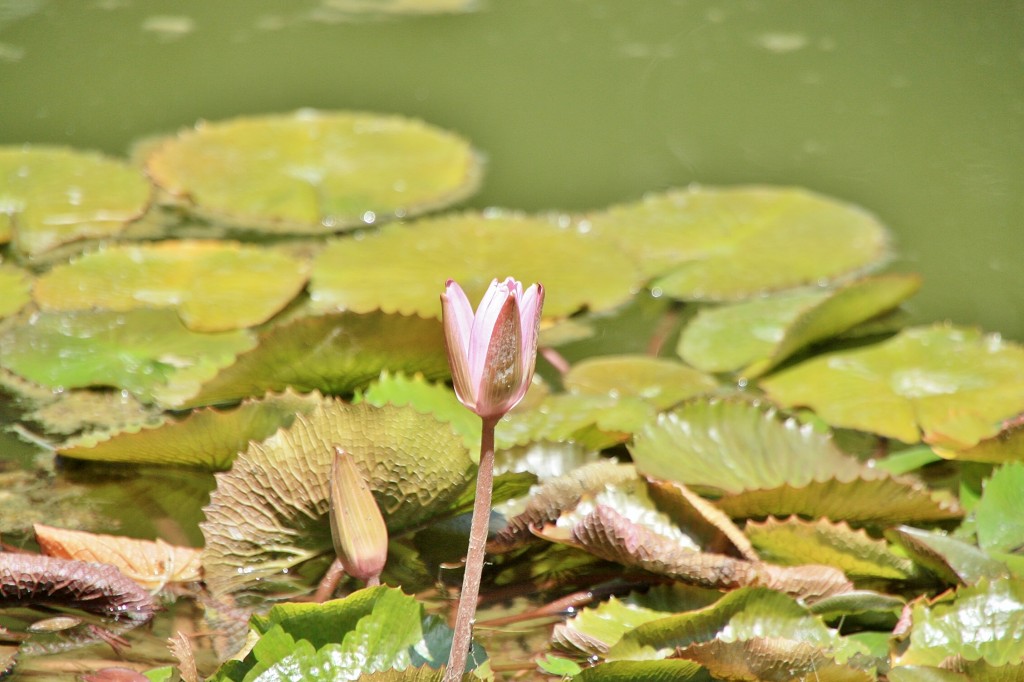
column 530, row 307
column 502, row 371
column 457, row 318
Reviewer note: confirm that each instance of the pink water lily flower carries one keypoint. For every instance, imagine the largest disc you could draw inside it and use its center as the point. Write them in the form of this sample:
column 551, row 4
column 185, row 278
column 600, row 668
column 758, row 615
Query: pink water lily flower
column 492, row 353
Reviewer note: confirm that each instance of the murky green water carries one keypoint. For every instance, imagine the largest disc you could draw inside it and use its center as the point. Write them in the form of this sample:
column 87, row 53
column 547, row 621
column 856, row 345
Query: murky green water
column 914, row 110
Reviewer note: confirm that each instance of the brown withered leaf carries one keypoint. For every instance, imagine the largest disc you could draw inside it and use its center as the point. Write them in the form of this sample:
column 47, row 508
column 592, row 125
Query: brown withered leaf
column 548, row 502
column 611, row 536
column 181, row 647
column 712, row 527
column 770, row 659
column 31, row 579
column 150, row 564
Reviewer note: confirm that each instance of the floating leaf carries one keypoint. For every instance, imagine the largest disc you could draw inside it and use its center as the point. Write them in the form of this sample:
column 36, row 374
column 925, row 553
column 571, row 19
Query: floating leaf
column 661, row 382
column 151, row 564
column 943, row 384
column 628, row 671
column 331, row 354
column 710, row 526
column 999, row 515
column 732, row 243
column 1005, row 446
column 312, row 171
column 206, row 438
column 983, row 622
column 736, row 445
column 754, row 336
column 771, row 658
column 78, row 410
column 613, row 537
column 214, row 286
column 15, row 284
column 594, row 630
column 403, row 268
column 53, row 195
column 594, row 421
column 792, row 541
column 146, row 351
column 876, row 499
column 269, row 513
column 952, row 559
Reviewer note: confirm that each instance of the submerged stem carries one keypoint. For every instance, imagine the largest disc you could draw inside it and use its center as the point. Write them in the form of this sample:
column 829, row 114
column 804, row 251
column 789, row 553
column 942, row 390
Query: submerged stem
column 463, row 637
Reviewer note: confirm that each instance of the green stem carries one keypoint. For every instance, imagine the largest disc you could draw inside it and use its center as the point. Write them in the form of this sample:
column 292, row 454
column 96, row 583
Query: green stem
column 462, row 639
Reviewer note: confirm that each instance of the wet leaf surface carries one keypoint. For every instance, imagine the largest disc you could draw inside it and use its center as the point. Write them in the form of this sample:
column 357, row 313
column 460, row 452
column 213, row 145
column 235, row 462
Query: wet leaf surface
column 661, row 382
column 312, row 171
column 214, row 286
column 472, row 249
column 55, row 195
column 732, row 243
column 941, row 384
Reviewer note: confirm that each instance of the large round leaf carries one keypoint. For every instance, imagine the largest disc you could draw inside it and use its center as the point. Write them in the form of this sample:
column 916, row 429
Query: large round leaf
column 313, row 171
column 754, row 336
column 943, row 384
column 403, row 268
column 727, row 244
column 146, row 351
column 52, row 195
column 659, row 381
column 214, row 285
column 15, row 284
column 268, row 514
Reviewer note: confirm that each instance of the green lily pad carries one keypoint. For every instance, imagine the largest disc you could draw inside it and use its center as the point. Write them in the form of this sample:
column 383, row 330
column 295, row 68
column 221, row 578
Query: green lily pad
column 594, row 630
column 86, row 409
column 952, row 559
column 268, row 514
column 313, row 171
column 736, row 445
column 983, row 622
column 628, row 671
column 146, row 351
column 333, row 354
column 942, row 384
column 999, row 514
column 793, row 541
column 206, row 438
column 595, row 421
column 403, row 268
column 214, row 286
column 754, row 336
column 53, row 195
column 1005, row 446
column 732, row 243
column 15, row 285
column 661, row 382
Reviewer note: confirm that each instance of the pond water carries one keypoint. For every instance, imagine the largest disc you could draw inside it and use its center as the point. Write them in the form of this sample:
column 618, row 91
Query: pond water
column 914, row 110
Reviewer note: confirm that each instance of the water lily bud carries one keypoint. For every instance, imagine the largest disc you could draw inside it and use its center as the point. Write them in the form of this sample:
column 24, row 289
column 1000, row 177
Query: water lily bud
column 357, row 527
column 492, row 353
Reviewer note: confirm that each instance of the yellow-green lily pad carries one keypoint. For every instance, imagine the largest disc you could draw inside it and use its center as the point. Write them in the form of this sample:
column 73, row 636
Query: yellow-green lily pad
column 754, row 336
column 722, row 244
column 15, row 285
column 146, row 351
column 314, row 171
column 403, row 268
column 54, row 195
column 207, row 438
column 794, row 541
column 333, row 354
column 268, row 514
column 659, row 381
column 214, row 286
column 946, row 385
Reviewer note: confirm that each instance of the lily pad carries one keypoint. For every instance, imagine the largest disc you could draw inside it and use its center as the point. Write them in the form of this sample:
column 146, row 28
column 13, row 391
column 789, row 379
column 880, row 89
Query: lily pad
column 214, row 286
column 952, row 559
column 146, row 351
column 313, row 171
column 1005, row 446
column 333, row 354
column 793, row 541
column 54, row 195
column 942, row 384
column 268, row 514
column 15, row 285
column 594, row 421
column 754, row 336
column 721, row 244
column 982, row 622
column 403, row 268
column 206, row 438
column 661, row 382
column 1000, row 512
column 736, row 445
